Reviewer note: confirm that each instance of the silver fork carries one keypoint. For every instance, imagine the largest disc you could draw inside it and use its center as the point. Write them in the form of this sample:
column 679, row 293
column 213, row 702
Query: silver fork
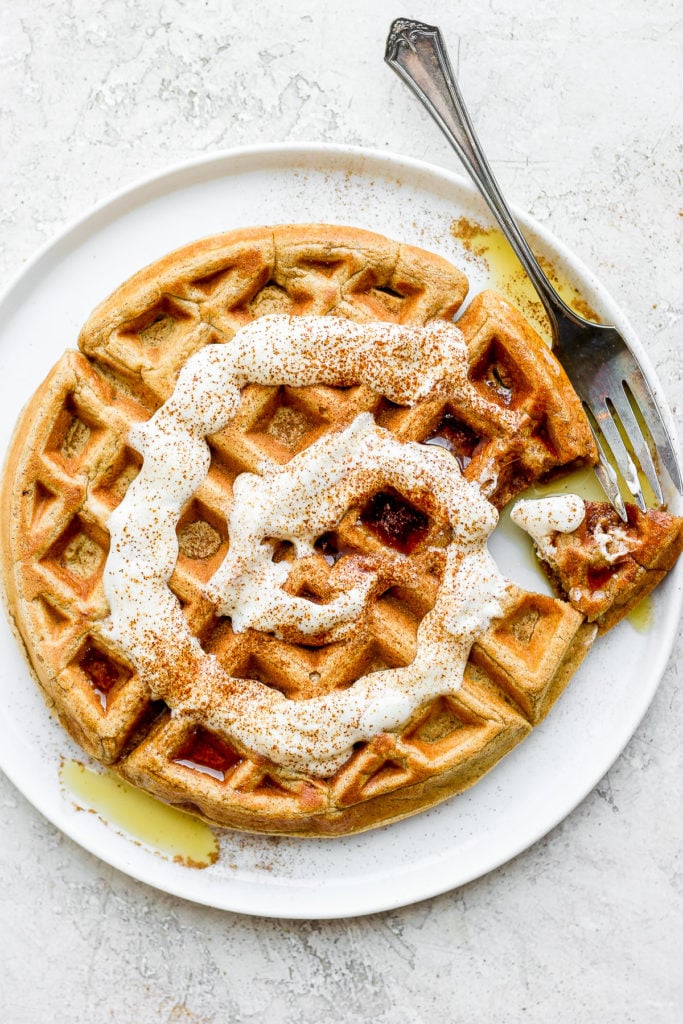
column 604, row 372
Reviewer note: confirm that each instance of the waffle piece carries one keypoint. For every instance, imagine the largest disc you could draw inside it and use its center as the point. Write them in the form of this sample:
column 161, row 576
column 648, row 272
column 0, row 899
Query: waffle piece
column 530, row 421
column 146, row 330
column 535, row 422
column 71, row 462
column 606, row 567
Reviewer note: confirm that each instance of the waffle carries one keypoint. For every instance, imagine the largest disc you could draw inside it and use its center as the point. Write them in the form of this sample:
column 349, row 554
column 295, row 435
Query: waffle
column 529, row 424
column 533, row 422
column 71, row 462
column 606, row 567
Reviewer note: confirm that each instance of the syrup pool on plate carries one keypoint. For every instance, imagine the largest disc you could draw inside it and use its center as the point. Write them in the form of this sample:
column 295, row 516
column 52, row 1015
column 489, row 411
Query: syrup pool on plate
column 509, row 277
column 167, row 830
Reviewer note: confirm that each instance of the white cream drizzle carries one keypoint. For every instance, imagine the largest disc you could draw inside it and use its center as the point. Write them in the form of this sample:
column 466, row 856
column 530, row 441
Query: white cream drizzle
column 297, row 502
column 613, row 544
column 541, row 519
column 307, row 497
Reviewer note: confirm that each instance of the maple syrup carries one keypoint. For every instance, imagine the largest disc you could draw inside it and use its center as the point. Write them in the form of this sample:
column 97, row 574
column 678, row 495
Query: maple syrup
column 330, row 547
column 167, row 830
column 395, row 522
column 205, row 752
column 102, row 673
column 509, row 276
column 456, row 437
column 643, row 615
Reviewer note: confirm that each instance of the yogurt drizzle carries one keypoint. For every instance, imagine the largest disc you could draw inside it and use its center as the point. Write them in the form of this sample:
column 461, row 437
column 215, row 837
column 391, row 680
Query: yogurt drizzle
column 544, row 517
column 297, row 502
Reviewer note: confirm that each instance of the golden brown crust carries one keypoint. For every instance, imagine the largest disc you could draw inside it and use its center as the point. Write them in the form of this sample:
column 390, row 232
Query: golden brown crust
column 509, row 360
column 605, row 580
column 217, row 285
column 69, row 465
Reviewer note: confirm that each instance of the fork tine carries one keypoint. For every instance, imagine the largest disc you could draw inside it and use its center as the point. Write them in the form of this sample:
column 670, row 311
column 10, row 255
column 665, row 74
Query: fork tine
column 603, row 418
column 608, row 478
column 666, row 449
column 631, row 426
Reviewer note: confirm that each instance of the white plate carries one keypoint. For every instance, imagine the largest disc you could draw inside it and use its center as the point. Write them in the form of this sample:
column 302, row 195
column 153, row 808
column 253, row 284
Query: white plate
column 539, row 782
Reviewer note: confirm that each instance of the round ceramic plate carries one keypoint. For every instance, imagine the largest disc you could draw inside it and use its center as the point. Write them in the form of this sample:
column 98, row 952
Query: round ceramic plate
column 533, row 788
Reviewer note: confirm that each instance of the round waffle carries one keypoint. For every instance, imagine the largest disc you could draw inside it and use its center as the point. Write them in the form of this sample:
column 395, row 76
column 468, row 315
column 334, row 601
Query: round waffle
column 73, row 459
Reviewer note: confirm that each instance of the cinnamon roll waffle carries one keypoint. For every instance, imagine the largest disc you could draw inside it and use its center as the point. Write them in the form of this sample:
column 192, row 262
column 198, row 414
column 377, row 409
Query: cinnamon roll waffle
column 245, row 572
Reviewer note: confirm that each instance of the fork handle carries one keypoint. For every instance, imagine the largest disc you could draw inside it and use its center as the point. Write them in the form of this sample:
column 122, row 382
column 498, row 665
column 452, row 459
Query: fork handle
column 416, row 52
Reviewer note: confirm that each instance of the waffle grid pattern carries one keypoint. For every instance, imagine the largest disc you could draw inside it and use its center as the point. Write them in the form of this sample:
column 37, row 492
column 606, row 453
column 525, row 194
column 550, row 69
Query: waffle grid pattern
column 74, row 466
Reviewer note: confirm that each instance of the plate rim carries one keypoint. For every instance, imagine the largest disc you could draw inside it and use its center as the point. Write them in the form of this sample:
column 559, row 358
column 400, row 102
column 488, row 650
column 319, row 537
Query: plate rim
column 161, row 182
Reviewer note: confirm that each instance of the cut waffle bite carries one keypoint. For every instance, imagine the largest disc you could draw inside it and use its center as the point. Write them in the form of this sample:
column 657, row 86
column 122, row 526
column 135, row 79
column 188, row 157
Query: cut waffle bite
column 603, row 566
column 86, row 435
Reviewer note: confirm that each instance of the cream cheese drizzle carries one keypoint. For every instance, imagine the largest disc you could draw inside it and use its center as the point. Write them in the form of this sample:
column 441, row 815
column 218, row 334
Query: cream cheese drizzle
column 296, row 502
column 308, row 496
column 613, row 544
column 544, row 517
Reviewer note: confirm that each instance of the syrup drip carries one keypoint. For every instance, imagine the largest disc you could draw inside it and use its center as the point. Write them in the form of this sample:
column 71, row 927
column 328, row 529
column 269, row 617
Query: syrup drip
column 497, row 380
column 597, row 578
column 329, row 547
column 507, row 275
column 643, row 615
column 395, row 522
column 456, row 437
column 205, row 752
column 101, row 672
column 166, row 830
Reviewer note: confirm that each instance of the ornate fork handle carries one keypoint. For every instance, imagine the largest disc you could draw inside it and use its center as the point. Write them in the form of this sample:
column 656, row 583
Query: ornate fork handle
column 417, row 53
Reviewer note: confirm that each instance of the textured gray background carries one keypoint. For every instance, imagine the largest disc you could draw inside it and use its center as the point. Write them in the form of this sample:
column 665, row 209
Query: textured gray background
column 579, row 106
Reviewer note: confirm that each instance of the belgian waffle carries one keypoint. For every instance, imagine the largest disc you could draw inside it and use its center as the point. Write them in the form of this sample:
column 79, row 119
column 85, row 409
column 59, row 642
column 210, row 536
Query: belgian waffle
column 71, row 463
column 606, row 567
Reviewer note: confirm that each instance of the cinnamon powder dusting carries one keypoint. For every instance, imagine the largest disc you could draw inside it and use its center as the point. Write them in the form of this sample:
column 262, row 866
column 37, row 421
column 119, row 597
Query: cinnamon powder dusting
column 296, row 503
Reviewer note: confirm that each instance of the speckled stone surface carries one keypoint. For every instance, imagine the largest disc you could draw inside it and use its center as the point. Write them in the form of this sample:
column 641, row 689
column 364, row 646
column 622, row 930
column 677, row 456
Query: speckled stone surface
column 579, row 108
